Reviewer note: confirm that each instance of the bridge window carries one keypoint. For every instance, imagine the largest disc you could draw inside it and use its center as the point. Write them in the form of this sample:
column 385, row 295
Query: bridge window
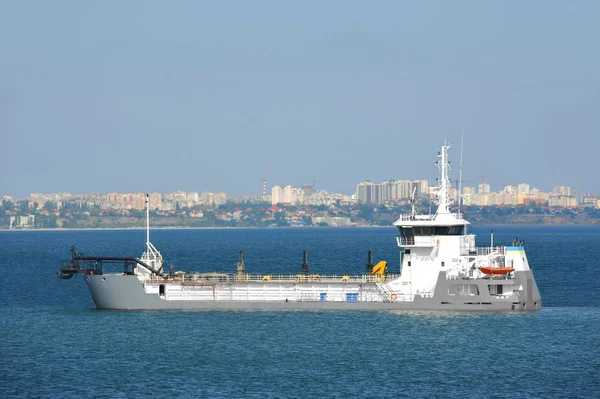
column 495, row 289
column 409, row 232
column 424, row 231
column 449, row 230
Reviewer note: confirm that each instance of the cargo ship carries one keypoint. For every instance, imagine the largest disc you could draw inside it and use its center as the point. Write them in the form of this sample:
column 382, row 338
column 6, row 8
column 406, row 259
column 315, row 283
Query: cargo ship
column 441, row 269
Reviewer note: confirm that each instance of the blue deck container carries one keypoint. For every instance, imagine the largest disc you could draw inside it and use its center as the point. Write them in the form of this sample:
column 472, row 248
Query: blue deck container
column 352, row 297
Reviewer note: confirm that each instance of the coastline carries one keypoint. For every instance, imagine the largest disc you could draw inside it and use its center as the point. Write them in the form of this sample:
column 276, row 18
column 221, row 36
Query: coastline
column 135, row 228
column 284, row 227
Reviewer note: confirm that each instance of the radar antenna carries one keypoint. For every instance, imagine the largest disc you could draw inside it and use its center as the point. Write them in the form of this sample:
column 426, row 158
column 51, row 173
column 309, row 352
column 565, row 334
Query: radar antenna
column 412, row 200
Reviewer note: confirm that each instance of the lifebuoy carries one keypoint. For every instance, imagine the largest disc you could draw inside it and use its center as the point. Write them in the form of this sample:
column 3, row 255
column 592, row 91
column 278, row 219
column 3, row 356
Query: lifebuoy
column 394, row 297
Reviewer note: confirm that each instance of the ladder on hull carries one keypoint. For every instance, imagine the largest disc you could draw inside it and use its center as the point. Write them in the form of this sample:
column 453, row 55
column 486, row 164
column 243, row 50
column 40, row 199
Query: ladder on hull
column 385, row 291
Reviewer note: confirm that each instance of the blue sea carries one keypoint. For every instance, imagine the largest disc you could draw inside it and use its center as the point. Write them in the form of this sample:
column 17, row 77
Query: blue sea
column 53, row 343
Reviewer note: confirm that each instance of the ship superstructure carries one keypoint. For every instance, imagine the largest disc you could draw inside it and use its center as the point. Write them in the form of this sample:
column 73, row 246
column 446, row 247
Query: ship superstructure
column 441, row 268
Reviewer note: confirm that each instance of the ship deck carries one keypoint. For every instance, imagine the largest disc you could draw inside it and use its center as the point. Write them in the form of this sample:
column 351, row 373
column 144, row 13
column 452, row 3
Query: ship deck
column 212, row 278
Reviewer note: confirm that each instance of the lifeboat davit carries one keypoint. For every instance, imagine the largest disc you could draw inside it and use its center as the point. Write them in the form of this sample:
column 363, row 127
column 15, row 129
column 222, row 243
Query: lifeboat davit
column 496, row 270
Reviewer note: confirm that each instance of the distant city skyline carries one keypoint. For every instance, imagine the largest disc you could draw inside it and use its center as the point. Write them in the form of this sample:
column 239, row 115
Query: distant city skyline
column 492, row 188
column 366, row 192
column 156, row 97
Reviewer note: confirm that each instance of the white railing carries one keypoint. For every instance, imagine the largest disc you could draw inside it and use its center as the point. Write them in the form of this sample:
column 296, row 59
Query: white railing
column 191, row 279
column 405, row 298
column 417, row 241
column 490, row 250
column 409, row 217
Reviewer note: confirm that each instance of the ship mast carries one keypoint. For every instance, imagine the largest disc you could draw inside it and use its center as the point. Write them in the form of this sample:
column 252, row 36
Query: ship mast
column 459, row 194
column 412, row 201
column 148, row 223
column 444, row 180
column 152, row 254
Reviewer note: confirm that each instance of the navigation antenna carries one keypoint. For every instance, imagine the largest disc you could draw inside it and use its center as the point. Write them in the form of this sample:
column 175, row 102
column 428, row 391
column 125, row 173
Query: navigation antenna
column 444, row 181
column 462, row 136
column 412, row 200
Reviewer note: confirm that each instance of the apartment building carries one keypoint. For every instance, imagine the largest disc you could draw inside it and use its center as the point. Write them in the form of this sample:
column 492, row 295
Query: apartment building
column 369, row 193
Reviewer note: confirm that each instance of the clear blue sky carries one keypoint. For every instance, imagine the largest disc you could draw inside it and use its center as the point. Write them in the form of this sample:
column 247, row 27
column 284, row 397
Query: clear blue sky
column 159, row 96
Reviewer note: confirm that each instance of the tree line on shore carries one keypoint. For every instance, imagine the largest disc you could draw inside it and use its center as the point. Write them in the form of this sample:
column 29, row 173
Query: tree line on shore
column 80, row 215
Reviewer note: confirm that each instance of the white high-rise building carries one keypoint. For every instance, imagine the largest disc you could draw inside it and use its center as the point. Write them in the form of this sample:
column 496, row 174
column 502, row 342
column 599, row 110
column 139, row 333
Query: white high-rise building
column 277, row 196
column 289, row 195
column 523, row 188
column 365, row 193
column 389, row 191
column 191, row 197
column 562, row 190
column 286, row 195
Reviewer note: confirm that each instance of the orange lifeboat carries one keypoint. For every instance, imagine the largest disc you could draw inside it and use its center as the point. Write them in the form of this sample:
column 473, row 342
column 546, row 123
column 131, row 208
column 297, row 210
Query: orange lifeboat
column 495, row 270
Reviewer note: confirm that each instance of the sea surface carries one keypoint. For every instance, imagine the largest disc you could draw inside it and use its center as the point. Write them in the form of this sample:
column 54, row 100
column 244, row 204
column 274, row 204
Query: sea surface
column 53, row 343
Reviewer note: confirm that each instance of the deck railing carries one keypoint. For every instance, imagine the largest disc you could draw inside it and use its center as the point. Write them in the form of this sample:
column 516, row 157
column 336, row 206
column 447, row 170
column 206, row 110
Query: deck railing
column 416, row 241
column 281, row 278
column 407, row 217
column 491, row 250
